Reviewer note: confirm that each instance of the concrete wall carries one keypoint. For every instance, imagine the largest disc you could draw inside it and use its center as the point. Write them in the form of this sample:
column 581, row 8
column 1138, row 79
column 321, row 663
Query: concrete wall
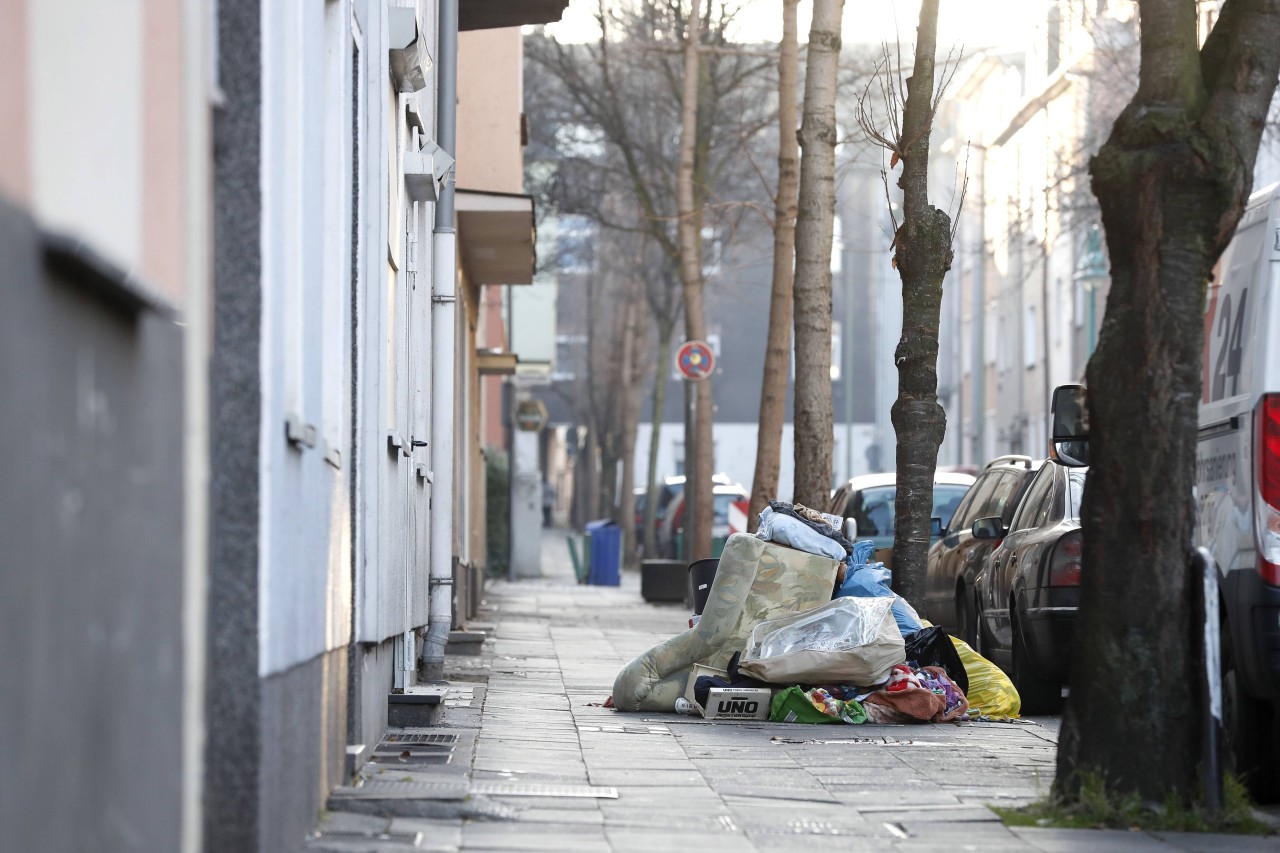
column 91, row 558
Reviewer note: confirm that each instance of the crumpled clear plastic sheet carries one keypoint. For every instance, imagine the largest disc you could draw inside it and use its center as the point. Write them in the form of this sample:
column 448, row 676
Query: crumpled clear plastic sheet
column 849, row 640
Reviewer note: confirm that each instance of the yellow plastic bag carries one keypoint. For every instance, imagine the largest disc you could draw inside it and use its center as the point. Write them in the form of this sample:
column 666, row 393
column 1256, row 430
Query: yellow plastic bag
column 990, row 693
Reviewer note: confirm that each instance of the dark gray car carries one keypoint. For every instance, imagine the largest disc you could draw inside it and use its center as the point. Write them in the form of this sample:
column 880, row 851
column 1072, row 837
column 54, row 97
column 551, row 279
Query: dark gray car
column 957, row 558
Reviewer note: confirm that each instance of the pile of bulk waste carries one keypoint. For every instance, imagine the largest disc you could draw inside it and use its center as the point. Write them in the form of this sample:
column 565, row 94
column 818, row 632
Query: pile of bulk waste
column 800, row 625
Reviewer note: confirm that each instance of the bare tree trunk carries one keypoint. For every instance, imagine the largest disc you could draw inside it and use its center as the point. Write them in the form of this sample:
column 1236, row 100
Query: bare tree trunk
column 1172, row 181
column 630, row 414
column 665, row 331
column 698, row 505
column 815, row 220
column 923, row 256
column 777, row 357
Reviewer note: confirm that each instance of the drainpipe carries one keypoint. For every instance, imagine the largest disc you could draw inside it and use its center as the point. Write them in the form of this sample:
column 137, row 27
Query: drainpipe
column 443, row 311
column 979, row 309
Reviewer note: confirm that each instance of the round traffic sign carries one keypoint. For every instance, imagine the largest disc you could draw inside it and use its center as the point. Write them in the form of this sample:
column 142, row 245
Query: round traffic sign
column 695, row 360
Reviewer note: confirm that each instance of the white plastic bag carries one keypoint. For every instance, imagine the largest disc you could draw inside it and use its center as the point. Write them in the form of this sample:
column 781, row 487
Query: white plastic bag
column 846, row 641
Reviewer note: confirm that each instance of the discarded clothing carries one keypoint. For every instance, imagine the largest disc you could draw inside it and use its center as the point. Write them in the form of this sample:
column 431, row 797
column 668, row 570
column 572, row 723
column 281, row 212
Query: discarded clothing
column 702, row 687
column 818, row 705
column 925, row 696
column 930, row 646
column 821, row 523
column 796, row 533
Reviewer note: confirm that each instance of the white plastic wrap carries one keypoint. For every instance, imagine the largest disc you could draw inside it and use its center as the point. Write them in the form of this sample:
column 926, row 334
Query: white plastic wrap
column 846, row 641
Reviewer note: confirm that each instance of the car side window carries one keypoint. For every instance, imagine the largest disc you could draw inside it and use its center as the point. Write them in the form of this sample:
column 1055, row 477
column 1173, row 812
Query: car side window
column 975, row 500
column 1021, row 485
column 997, row 497
column 1035, row 503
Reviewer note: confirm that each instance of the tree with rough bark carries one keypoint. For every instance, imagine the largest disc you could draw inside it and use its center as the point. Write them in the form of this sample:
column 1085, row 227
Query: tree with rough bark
column 815, row 222
column 777, row 357
column 1172, row 181
column 610, row 108
column 922, row 254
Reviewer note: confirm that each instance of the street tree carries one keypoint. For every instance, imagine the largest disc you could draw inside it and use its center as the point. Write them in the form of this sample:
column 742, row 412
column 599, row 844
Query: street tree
column 922, row 255
column 614, row 104
column 777, row 357
column 815, row 223
column 1171, row 181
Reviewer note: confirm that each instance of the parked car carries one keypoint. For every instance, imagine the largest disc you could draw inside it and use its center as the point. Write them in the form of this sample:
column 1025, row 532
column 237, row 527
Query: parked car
column 957, row 558
column 1238, row 487
column 869, row 500
column 668, row 488
column 723, row 496
column 1029, row 590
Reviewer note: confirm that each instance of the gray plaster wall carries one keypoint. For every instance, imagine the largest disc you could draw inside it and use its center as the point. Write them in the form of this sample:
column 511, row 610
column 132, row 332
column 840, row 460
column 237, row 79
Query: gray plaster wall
column 372, row 672
column 232, row 808
column 91, row 515
column 304, row 724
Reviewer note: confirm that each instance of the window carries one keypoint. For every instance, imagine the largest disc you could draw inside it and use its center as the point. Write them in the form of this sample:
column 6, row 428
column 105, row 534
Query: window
column 1075, row 491
column 1034, row 504
column 873, row 510
column 966, row 512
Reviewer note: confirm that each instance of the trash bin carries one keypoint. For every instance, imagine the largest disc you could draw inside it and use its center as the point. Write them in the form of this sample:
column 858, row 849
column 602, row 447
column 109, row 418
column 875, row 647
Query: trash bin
column 606, row 551
column 701, row 574
column 662, row 580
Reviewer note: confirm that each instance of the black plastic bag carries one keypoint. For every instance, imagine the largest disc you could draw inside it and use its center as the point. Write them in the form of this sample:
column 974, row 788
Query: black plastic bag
column 932, row 647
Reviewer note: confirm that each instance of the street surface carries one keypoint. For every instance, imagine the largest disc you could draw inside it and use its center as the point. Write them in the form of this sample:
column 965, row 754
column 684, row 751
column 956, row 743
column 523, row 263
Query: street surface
column 539, row 764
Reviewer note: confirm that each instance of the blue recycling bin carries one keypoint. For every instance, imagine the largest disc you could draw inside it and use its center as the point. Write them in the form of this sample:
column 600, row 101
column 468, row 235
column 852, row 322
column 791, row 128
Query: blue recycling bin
column 606, row 551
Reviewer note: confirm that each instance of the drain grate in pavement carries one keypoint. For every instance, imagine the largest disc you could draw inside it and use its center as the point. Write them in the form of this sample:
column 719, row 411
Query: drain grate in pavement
column 413, row 839
column 406, row 748
column 377, row 789
column 531, row 789
column 405, row 737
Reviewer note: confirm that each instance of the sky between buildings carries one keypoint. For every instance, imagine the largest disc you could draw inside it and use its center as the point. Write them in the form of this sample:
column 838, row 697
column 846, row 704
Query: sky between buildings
column 971, row 23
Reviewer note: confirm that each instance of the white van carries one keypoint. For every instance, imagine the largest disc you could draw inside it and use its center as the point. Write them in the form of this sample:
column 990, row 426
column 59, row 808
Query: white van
column 1238, row 483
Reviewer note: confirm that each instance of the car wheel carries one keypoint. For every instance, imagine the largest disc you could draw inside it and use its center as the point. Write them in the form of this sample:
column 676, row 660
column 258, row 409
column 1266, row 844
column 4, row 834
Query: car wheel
column 1250, row 737
column 967, row 616
column 1039, row 695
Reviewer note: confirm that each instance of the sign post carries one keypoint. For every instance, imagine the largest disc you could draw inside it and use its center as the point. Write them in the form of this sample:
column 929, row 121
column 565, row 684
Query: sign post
column 695, row 362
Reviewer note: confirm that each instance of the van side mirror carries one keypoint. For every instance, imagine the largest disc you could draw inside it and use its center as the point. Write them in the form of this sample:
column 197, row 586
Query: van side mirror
column 851, row 529
column 1069, row 442
column 936, row 530
column 989, row 528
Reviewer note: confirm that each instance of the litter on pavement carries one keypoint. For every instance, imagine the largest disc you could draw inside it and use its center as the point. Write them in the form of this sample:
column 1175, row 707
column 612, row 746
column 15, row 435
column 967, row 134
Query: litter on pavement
column 800, row 626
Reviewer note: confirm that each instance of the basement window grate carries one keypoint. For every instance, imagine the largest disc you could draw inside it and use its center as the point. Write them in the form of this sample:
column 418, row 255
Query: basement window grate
column 405, row 738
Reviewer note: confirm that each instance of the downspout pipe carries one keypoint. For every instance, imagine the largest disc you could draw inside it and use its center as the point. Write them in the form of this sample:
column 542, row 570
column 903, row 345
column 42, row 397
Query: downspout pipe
column 444, row 299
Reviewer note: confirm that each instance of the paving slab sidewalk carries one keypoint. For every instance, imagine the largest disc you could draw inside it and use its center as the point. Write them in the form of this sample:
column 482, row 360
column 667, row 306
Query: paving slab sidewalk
column 538, row 762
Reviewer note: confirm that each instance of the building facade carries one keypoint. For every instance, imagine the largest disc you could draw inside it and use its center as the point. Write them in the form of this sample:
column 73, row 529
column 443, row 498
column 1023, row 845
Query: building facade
column 242, row 321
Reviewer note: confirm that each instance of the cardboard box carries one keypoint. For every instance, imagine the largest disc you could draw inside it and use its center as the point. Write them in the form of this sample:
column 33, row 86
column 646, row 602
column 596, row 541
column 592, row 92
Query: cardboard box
column 697, row 671
column 746, row 703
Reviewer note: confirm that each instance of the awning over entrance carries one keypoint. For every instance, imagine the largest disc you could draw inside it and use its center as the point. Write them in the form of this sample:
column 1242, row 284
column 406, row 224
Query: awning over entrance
column 495, row 237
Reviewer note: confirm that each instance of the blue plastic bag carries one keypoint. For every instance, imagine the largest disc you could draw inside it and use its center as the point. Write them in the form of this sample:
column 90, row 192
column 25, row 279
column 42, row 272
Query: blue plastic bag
column 872, row 580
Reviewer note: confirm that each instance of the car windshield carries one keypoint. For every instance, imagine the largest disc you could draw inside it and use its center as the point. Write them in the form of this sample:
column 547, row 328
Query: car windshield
column 1075, row 491
column 875, row 511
